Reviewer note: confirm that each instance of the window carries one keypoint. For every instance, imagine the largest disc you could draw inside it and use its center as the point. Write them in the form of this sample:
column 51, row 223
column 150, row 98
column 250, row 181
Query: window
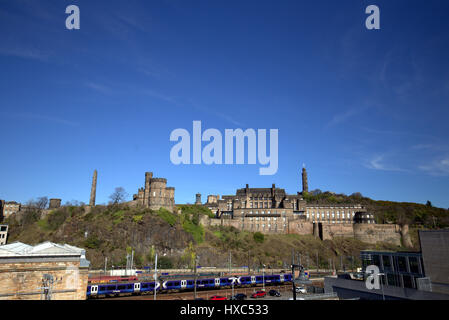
column 402, row 264
column 387, row 263
column 376, row 260
column 413, row 262
column 408, row 281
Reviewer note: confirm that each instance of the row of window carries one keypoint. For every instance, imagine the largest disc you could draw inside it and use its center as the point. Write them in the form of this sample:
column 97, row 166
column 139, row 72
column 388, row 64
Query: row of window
column 263, row 212
column 260, row 205
column 356, row 207
column 260, row 198
column 394, row 263
column 267, row 227
column 333, row 221
column 328, row 215
column 263, row 219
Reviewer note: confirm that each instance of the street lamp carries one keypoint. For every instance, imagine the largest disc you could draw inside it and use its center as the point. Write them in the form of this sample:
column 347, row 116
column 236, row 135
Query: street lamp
column 196, row 276
column 263, row 276
column 155, row 275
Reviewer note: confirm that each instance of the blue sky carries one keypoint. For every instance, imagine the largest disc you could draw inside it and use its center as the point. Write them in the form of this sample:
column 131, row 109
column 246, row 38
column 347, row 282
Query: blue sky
column 366, row 111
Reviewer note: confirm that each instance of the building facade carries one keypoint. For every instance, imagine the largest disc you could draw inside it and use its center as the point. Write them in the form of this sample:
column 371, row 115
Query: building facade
column 155, row 194
column 47, row 271
column 10, row 208
column 54, row 204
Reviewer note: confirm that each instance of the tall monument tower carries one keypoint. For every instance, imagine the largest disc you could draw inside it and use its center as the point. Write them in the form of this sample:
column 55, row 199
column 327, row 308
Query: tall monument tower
column 93, row 191
column 198, row 199
column 305, row 185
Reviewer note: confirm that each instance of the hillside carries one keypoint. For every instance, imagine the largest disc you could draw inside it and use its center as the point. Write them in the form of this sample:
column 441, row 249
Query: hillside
column 113, row 231
column 414, row 214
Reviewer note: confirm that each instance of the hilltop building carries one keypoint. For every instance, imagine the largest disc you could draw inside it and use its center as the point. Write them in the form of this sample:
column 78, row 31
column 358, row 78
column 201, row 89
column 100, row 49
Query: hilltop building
column 54, row 204
column 9, row 208
column 155, row 194
column 272, row 210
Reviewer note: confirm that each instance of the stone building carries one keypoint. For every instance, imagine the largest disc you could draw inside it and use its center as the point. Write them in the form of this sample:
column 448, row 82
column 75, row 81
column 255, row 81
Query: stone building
column 45, row 271
column 155, row 194
column 3, row 234
column 272, row 210
column 55, row 204
column 10, row 208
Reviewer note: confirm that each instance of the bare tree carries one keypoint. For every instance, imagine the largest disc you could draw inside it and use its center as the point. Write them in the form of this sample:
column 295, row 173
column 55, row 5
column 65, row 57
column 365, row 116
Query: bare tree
column 118, row 196
column 41, row 203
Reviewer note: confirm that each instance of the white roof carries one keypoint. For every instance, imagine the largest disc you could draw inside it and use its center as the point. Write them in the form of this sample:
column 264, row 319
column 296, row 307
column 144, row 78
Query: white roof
column 19, row 249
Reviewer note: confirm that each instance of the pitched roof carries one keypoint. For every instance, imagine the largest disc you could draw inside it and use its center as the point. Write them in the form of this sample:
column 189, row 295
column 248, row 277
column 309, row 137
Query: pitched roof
column 19, row 249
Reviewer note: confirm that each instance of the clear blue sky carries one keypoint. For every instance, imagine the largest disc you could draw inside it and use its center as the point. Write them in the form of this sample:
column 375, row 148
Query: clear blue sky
column 366, row 111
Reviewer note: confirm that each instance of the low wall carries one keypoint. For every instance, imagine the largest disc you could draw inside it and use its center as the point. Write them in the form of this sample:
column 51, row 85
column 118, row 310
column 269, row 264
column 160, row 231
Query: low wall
column 373, row 233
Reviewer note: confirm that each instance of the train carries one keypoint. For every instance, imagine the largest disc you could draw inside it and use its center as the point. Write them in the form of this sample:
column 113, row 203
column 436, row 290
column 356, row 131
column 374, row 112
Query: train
column 108, row 279
column 115, row 289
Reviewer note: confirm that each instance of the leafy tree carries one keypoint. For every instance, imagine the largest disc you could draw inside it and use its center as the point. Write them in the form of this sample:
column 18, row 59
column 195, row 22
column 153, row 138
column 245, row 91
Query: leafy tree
column 190, row 255
column 429, row 204
column 259, row 237
column 151, row 255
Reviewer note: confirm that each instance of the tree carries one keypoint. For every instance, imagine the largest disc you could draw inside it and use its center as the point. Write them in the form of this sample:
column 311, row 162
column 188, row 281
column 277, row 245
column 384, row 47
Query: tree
column 259, row 237
column 41, row 203
column 151, row 255
column 118, row 196
column 429, row 204
column 189, row 255
column 356, row 195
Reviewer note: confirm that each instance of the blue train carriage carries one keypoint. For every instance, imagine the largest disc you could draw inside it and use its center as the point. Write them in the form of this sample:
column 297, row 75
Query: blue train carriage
column 117, row 289
column 178, row 285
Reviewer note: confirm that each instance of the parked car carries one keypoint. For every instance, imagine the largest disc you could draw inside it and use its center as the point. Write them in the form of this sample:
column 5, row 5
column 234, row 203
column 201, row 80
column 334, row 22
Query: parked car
column 301, row 290
column 239, row 296
column 274, row 293
column 259, row 294
column 217, row 298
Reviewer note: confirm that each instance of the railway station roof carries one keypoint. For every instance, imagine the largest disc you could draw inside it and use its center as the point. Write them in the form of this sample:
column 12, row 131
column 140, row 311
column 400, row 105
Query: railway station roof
column 42, row 250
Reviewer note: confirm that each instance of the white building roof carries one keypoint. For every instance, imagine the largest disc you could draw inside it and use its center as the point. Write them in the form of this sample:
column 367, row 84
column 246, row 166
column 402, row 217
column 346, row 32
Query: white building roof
column 19, row 249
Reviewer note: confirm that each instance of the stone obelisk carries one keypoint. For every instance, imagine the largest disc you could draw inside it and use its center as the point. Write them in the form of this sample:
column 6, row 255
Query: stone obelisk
column 93, row 191
column 305, row 184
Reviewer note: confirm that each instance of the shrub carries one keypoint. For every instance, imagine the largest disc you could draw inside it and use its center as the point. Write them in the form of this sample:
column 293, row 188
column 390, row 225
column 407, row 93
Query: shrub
column 92, row 242
column 164, row 263
column 259, row 237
